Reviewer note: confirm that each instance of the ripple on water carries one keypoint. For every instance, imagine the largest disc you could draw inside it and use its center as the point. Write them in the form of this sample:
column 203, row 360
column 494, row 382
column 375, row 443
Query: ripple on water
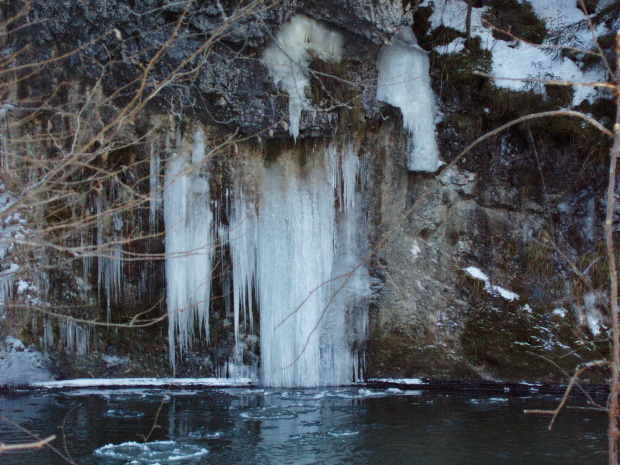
column 203, row 433
column 163, row 452
column 122, row 413
column 269, row 413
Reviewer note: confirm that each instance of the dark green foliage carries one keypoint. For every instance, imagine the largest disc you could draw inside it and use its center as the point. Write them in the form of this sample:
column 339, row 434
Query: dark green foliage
column 517, row 18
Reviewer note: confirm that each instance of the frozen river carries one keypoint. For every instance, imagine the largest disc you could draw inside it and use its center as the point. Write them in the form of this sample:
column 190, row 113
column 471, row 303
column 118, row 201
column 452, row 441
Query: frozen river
column 312, row 426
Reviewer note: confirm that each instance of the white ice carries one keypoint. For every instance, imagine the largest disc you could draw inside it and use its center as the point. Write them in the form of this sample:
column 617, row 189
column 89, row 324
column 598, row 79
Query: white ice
column 404, row 82
column 288, row 56
column 189, row 246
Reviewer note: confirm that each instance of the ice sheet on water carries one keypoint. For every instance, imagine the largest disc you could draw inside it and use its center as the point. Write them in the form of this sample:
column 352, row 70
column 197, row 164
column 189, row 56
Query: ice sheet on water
column 163, row 452
column 203, row 433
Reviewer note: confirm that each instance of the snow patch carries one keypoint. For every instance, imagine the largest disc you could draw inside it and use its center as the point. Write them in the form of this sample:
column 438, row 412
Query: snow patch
column 20, row 365
column 518, row 62
column 492, row 289
column 415, row 249
column 560, row 311
column 594, row 317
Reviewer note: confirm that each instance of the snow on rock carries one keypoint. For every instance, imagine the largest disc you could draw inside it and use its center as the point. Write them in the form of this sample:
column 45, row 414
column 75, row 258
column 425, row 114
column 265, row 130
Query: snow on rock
column 20, row 365
column 560, row 311
column 114, row 360
column 594, row 317
column 288, row 56
column 514, row 63
column 415, row 249
column 404, row 82
column 492, row 289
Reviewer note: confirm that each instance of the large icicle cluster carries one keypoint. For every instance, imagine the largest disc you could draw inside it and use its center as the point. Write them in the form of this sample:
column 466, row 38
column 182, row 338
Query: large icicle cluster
column 307, row 241
column 288, row 57
column 189, row 246
column 294, row 249
column 404, row 82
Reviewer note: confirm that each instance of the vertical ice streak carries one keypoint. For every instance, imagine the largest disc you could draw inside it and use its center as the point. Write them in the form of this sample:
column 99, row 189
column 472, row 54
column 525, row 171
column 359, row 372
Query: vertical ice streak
column 189, row 248
column 404, row 82
column 110, row 253
column 242, row 243
column 154, row 187
column 311, row 300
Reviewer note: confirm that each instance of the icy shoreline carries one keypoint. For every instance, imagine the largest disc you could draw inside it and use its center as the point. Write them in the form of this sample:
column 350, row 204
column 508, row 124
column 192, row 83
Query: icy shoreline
column 141, row 382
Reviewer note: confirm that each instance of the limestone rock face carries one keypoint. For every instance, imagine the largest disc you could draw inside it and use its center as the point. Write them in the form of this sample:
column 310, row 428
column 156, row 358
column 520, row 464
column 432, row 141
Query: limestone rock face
column 215, row 46
column 375, row 20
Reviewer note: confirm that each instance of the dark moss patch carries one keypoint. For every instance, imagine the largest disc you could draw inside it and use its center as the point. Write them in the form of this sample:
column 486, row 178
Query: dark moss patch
column 512, row 343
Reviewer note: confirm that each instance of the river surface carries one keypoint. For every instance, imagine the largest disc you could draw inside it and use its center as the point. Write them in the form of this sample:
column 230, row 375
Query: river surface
column 248, row 426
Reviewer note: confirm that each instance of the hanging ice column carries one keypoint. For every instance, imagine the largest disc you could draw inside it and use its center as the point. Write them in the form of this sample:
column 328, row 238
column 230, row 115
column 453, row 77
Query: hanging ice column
column 288, row 58
column 309, row 238
column 404, row 82
column 189, row 247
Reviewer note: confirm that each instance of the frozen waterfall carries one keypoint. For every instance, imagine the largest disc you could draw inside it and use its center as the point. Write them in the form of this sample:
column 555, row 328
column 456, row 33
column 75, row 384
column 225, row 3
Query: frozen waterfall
column 404, row 82
column 295, row 248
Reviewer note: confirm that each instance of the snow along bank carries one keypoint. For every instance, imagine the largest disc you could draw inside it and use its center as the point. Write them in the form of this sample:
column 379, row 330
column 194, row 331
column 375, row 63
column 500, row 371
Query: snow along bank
column 141, row 382
column 20, row 365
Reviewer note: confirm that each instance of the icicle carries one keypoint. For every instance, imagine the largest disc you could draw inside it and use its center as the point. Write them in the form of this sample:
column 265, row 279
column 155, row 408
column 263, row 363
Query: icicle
column 242, row 250
column 7, row 278
column 404, row 82
column 154, row 187
column 287, row 58
column 189, row 248
column 75, row 337
column 48, row 334
column 110, row 256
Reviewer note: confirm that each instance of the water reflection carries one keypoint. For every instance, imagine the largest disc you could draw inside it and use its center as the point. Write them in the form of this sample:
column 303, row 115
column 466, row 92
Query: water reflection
column 310, row 426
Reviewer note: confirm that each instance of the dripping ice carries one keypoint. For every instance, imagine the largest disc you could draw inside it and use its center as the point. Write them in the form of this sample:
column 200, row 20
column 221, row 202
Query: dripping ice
column 404, row 82
column 189, row 246
column 308, row 240
column 288, row 56
column 294, row 250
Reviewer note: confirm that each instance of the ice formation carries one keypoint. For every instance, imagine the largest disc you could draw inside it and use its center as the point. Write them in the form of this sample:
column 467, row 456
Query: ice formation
column 75, row 336
column 308, row 240
column 189, row 246
column 288, row 57
column 404, row 82
column 294, row 251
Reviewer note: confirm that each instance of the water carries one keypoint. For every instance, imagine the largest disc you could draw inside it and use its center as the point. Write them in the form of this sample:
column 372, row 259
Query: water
column 310, row 426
